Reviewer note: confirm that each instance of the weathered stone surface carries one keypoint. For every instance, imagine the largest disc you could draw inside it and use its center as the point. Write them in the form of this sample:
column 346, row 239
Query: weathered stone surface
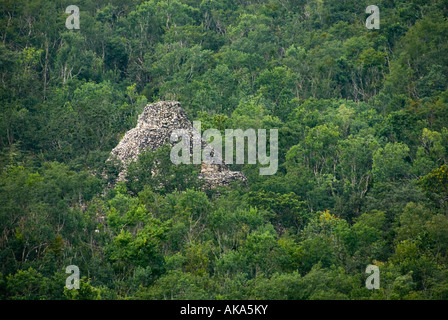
column 154, row 128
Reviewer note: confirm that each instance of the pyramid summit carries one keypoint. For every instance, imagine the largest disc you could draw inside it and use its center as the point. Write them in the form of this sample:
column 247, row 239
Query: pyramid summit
column 154, row 128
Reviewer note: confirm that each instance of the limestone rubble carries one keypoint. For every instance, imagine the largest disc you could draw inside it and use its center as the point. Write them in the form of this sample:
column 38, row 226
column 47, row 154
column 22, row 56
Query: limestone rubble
column 154, row 128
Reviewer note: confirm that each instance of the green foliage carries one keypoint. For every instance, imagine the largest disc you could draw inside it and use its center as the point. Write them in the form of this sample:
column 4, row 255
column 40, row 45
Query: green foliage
column 85, row 292
column 435, row 184
column 156, row 170
column 363, row 150
column 287, row 209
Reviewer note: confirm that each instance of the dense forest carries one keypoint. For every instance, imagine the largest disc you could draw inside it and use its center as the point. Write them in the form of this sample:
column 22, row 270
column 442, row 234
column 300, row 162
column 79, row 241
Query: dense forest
column 362, row 119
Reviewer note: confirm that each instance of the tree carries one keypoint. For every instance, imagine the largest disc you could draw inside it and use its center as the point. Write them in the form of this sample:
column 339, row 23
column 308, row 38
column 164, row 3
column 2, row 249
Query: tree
column 435, row 185
column 156, row 169
column 390, row 163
